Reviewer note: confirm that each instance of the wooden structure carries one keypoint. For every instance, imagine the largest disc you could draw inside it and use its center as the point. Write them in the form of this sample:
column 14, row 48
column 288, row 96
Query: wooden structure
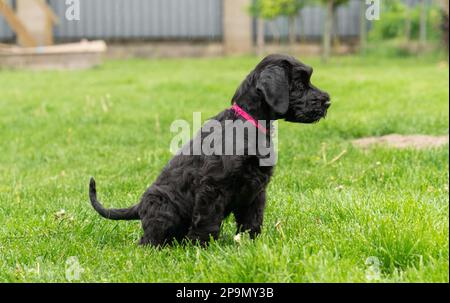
column 33, row 24
column 38, row 18
column 237, row 27
column 65, row 56
column 16, row 25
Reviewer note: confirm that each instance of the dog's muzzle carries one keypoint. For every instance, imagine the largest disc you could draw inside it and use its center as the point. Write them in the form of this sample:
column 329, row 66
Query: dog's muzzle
column 310, row 108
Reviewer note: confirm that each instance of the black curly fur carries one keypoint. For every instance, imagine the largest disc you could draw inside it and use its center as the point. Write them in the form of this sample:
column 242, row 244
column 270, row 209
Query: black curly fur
column 193, row 194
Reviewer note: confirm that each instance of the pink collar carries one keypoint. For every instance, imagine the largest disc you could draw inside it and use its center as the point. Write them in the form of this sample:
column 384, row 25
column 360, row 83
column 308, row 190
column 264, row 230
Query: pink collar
column 240, row 112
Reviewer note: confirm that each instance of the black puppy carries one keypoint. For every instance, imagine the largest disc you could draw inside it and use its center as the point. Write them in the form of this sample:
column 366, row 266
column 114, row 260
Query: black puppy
column 194, row 193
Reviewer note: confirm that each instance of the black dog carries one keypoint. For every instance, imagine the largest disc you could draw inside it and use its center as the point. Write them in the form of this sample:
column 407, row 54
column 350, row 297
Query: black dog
column 194, row 193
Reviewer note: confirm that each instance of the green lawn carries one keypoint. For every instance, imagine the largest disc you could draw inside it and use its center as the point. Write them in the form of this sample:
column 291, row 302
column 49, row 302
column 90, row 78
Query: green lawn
column 336, row 221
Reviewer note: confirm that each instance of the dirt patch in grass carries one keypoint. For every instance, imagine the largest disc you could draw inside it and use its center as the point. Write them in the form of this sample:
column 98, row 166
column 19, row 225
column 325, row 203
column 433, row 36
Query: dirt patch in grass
column 403, row 141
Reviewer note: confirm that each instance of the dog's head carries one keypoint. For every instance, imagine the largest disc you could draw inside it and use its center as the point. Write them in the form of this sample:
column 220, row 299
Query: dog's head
column 282, row 85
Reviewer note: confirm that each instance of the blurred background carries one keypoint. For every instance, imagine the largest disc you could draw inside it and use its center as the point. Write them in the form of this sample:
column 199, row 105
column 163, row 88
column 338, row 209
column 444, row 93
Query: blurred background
column 180, row 28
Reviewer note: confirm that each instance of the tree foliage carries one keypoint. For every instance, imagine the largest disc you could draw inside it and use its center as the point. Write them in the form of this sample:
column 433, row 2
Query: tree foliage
column 271, row 9
column 336, row 3
column 393, row 24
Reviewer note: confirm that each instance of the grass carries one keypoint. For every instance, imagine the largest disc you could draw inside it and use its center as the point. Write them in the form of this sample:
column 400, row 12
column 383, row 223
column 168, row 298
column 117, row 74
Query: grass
column 377, row 215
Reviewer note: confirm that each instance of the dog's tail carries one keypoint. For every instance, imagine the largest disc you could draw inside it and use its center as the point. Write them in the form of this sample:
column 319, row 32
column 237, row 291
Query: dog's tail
column 113, row 213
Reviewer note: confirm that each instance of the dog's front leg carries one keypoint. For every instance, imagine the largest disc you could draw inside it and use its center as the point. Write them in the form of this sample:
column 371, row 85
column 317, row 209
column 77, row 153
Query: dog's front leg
column 207, row 217
column 249, row 217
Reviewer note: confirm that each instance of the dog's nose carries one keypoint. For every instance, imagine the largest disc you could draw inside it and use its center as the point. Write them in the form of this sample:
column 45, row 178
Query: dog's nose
column 326, row 100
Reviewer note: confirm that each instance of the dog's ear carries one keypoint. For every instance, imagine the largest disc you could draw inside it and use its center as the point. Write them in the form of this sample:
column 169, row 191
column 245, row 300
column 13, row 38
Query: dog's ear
column 273, row 84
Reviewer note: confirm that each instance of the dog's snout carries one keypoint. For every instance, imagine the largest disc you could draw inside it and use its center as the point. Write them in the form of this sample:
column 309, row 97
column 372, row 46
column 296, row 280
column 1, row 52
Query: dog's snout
column 325, row 97
column 327, row 104
column 319, row 94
